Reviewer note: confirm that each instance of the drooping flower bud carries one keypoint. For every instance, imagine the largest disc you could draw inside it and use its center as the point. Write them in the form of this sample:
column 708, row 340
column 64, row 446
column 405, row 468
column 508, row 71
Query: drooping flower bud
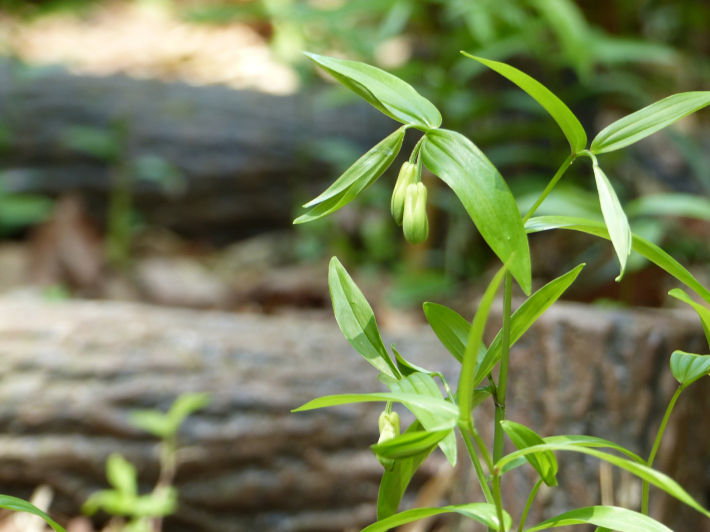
column 407, row 176
column 389, row 428
column 415, row 222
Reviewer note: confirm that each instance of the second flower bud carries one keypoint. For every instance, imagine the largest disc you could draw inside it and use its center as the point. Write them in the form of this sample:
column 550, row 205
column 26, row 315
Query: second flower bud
column 415, row 222
column 407, row 176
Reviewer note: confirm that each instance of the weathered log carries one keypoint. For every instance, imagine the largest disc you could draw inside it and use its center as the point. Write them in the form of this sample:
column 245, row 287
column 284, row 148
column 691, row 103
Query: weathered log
column 73, row 371
column 248, row 157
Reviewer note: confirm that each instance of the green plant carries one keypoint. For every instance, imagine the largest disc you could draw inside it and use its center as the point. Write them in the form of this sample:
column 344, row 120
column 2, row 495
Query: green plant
column 488, row 201
column 111, row 146
column 145, row 512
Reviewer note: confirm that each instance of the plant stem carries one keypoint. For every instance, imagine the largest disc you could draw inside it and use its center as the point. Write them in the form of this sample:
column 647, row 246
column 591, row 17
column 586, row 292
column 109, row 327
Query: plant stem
column 503, row 374
column 498, row 501
column 531, row 497
column 415, row 151
column 550, row 186
column 656, row 445
column 489, row 463
column 477, row 465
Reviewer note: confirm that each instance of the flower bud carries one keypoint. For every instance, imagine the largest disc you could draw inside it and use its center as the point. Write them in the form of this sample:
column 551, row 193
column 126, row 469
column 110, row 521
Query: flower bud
column 389, row 428
column 415, row 222
column 407, row 176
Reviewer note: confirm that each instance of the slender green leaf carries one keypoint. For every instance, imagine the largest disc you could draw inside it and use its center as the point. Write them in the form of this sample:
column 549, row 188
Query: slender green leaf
column 569, row 124
column 478, row 511
column 151, row 421
column 615, row 218
column 652, row 476
column 424, row 385
column 451, row 328
column 122, row 475
column 386, row 92
column 468, row 369
column 395, row 482
column 411, row 444
column 356, row 179
column 18, row 505
column 356, row 319
column 405, row 367
column 685, row 205
column 688, row 368
column 568, row 22
column 645, row 248
column 443, row 410
column 648, row 120
column 485, row 195
column 580, row 440
column 607, row 517
column 545, row 462
column 524, row 317
column 702, row 311
column 184, row 405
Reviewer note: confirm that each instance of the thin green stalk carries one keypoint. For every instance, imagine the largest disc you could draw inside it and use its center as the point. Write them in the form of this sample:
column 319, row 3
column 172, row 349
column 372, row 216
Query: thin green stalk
column 498, row 501
column 503, row 374
column 487, row 457
column 477, row 466
column 531, row 497
column 415, row 151
column 656, row 444
column 550, row 186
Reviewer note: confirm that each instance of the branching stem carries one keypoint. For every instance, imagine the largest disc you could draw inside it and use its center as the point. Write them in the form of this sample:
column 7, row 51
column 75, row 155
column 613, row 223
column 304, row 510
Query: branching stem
column 477, row 466
column 568, row 161
column 528, row 505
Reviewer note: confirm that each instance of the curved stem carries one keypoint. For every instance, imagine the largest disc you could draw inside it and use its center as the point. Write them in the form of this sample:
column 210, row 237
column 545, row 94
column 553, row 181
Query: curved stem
column 656, row 445
column 549, row 187
column 502, row 387
column 415, row 151
column 531, row 497
column 477, row 466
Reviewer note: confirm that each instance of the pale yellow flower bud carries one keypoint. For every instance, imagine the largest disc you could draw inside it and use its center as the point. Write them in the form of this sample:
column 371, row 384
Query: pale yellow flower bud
column 407, row 176
column 389, row 428
column 415, row 222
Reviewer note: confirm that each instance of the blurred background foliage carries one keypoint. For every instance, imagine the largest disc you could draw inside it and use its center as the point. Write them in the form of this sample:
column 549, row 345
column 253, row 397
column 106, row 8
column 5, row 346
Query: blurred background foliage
column 604, row 58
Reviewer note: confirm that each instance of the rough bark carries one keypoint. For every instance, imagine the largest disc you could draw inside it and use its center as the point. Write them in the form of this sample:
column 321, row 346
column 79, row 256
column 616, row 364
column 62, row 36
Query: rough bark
column 73, row 371
column 248, row 157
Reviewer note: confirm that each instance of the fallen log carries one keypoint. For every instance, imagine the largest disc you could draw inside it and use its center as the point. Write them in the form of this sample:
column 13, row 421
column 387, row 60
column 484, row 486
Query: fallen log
column 248, row 157
column 73, row 372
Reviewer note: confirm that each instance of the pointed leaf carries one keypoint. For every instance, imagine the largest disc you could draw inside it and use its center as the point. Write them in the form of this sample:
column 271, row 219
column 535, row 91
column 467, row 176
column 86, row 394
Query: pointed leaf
column 356, row 179
column 652, row 476
column 356, row 319
column 435, row 408
column 615, row 218
column 151, row 421
column 524, row 317
column 184, row 405
column 386, row 92
column 451, row 329
column 468, row 369
column 18, row 505
column 478, row 511
column 485, row 195
column 648, row 120
column 424, row 386
column 395, row 482
column 405, row 367
column 121, row 475
column 702, row 311
column 569, row 124
column 581, row 440
column 642, row 246
column 407, row 445
column 544, row 463
column 607, row 517
column 688, row 368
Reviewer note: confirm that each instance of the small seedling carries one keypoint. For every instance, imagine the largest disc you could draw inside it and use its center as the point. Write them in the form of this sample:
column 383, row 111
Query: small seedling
column 145, row 512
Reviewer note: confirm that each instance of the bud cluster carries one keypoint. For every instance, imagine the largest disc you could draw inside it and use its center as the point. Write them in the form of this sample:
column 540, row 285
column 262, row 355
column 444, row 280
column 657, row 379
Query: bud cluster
column 409, row 204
